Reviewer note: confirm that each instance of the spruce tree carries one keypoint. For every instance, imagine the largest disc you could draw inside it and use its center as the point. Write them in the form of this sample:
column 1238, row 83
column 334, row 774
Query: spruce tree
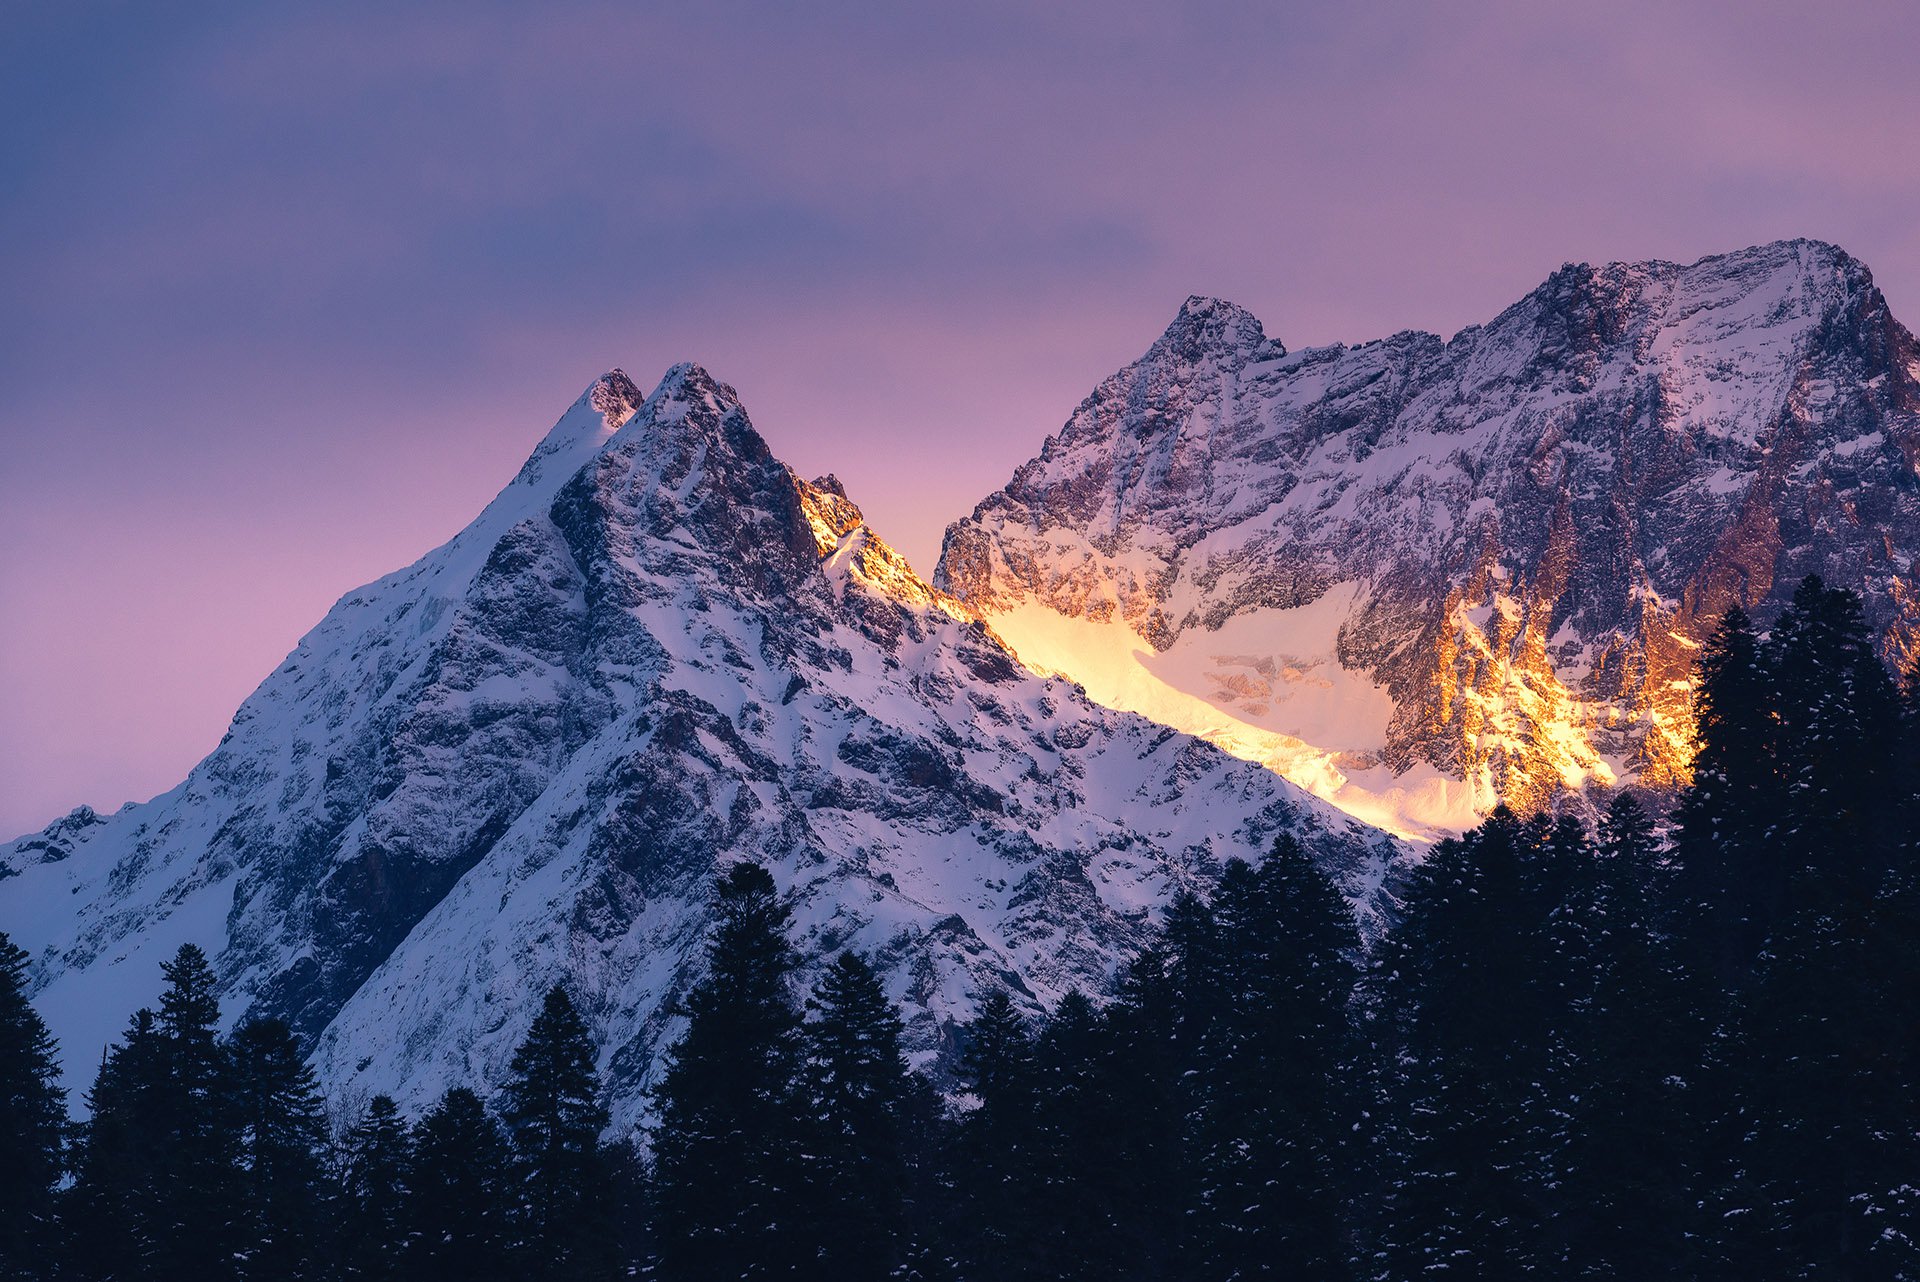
column 997, row 1169
column 282, row 1141
column 1732, row 872
column 1462, row 1042
column 459, row 1209
column 1623, row 1164
column 552, row 1110
column 1818, row 1143
column 110, row 1217
column 1151, row 1084
column 1839, row 738
column 859, row 1089
column 33, row 1117
column 375, row 1181
column 1086, row 1188
column 728, row 1142
column 1270, row 1123
column 196, row 1190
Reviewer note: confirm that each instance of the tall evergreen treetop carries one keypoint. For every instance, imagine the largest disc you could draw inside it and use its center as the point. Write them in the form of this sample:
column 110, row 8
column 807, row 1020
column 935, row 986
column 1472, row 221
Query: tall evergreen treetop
column 376, row 1184
column 282, row 1138
column 197, row 1192
column 551, row 1104
column 857, row 1068
column 1839, row 733
column 729, row 1142
column 859, row 1089
column 32, row 1116
column 113, row 1212
column 554, row 1117
column 460, row 1204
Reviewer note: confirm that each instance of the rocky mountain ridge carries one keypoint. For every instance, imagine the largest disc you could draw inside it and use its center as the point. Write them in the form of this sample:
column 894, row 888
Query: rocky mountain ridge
column 1420, row 575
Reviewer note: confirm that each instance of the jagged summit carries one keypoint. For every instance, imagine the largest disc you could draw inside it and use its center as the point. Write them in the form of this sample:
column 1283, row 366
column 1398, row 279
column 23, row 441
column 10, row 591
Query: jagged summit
column 614, row 395
column 1204, row 326
column 1418, row 575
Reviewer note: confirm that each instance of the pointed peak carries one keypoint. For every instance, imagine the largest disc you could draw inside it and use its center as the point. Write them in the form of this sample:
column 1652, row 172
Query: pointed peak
column 1206, row 326
column 830, row 513
column 615, row 396
column 690, row 383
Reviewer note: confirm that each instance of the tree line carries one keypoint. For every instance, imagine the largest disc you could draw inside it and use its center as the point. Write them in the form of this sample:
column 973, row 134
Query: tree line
column 1629, row 1049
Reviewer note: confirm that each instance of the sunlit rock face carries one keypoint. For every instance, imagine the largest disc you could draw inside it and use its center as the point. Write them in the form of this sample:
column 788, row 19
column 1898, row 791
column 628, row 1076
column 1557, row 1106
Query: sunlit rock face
column 522, row 760
column 1418, row 575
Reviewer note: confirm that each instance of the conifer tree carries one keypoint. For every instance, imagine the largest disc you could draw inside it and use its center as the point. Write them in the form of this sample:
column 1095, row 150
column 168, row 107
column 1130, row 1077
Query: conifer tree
column 282, row 1139
column 1839, row 736
column 997, row 1168
column 1151, row 1084
column 859, row 1090
column 1086, row 1187
column 459, row 1209
column 1625, row 1071
column 110, row 1218
column 1817, row 1144
column 196, row 1189
column 1270, row 1122
column 1459, row 1030
column 554, row 1117
column 33, row 1117
column 375, row 1181
column 1731, row 868
column 728, row 1143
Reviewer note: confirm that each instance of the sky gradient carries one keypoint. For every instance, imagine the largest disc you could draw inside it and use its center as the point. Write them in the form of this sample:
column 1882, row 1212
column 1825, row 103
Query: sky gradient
column 290, row 291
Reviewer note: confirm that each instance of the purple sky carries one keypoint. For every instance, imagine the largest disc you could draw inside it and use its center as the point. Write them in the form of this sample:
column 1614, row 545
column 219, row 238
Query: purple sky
column 290, row 292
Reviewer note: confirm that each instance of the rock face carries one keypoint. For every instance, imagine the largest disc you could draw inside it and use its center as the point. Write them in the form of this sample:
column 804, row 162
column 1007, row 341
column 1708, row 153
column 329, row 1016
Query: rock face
column 521, row 760
column 1418, row 575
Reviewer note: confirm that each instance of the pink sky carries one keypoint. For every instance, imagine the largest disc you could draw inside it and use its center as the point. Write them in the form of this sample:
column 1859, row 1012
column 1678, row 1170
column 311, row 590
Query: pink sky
column 290, row 297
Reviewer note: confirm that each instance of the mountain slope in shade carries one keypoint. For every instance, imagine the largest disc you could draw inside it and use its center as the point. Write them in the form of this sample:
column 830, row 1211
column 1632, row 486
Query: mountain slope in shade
column 521, row 760
column 1416, row 575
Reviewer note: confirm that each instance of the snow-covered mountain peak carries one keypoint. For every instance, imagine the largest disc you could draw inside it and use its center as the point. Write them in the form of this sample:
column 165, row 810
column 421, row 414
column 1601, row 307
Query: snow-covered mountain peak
column 1212, row 328
column 1421, row 575
column 520, row 760
column 615, row 396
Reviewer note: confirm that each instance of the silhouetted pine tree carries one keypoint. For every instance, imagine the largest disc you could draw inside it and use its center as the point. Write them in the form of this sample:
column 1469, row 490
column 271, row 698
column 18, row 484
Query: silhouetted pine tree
column 1459, row 1028
column 1626, row 1162
column 282, row 1142
column 858, row 1092
column 1839, row 740
column 562, row 1180
column 375, row 1185
column 109, row 1213
column 1271, row 1124
column 1732, row 873
column 1084, row 1192
column 196, row 1192
column 1822, row 1124
column 33, row 1118
column 459, row 1210
column 1151, row 1085
column 997, row 1173
column 727, row 1148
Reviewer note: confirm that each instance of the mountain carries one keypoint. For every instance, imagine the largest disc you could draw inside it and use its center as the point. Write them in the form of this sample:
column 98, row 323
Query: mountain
column 1416, row 575
column 521, row 760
